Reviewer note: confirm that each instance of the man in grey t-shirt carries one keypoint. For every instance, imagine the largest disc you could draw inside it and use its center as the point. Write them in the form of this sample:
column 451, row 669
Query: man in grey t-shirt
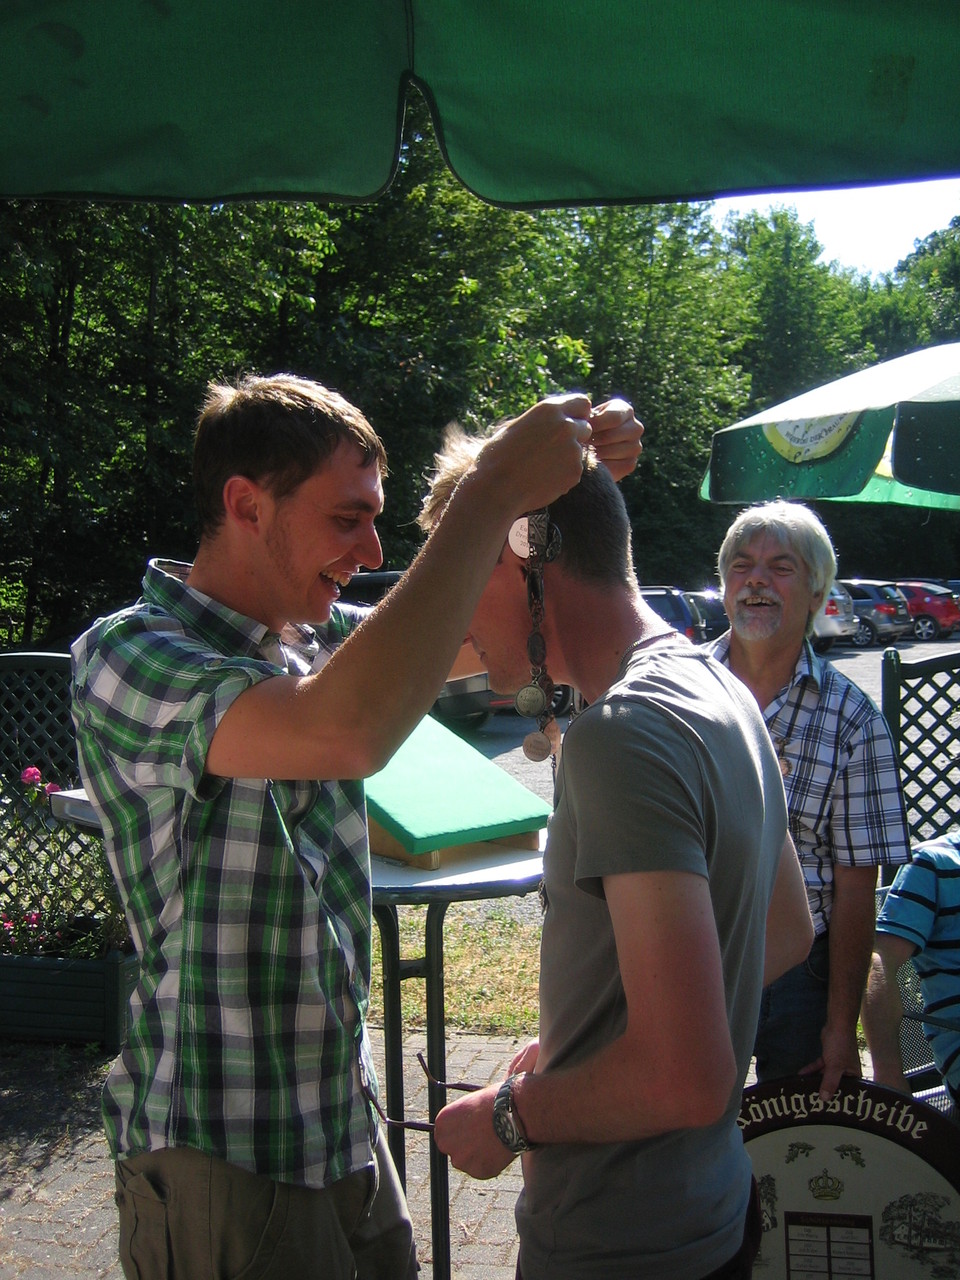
column 672, row 893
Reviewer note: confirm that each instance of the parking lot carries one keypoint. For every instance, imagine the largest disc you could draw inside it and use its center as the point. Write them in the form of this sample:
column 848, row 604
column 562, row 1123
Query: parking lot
column 501, row 737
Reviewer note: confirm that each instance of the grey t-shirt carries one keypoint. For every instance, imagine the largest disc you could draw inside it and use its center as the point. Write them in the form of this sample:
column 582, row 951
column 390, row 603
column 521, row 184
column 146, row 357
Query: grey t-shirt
column 671, row 770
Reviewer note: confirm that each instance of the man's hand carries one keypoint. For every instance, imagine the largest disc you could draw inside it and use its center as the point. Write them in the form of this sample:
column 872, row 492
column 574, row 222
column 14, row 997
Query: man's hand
column 840, row 1057
column 526, row 1059
column 616, row 437
column 464, row 1132
column 538, row 456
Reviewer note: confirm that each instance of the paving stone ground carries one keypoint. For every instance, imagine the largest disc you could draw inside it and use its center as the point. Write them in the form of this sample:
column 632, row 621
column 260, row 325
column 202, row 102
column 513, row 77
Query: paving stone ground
column 57, row 1216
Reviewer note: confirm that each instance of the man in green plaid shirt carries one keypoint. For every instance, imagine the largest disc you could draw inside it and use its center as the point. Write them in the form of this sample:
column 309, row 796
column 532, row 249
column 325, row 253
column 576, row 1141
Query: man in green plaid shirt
column 224, row 723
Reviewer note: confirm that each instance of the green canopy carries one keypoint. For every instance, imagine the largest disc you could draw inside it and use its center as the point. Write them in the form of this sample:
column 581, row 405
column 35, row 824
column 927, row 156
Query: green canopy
column 881, row 487
column 889, row 433
column 575, row 101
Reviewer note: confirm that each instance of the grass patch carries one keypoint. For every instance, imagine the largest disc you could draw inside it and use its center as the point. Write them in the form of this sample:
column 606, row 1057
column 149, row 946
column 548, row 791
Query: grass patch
column 491, row 967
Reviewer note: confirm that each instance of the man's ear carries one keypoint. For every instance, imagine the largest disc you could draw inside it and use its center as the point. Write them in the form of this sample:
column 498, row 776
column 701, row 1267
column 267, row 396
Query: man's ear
column 243, row 501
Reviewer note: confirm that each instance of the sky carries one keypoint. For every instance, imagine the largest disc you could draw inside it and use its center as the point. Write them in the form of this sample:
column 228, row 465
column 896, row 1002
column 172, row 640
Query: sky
column 868, row 228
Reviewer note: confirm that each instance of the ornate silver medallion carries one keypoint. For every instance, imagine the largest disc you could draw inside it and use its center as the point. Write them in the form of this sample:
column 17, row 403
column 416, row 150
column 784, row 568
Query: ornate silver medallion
column 531, row 701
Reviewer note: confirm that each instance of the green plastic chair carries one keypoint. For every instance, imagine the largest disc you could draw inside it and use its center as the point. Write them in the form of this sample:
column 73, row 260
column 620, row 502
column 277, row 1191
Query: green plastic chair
column 921, row 705
column 920, row 701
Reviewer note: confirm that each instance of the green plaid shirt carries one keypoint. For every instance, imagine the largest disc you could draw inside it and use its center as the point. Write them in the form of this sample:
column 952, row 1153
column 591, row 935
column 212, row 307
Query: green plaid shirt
column 249, row 899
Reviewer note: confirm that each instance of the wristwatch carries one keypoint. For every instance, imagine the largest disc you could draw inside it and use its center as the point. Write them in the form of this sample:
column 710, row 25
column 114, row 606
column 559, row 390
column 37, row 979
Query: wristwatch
column 506, row 1122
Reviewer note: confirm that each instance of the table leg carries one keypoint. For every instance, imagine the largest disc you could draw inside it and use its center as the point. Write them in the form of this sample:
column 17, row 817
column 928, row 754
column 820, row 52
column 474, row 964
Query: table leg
column 388, row 924
column 437, row 1062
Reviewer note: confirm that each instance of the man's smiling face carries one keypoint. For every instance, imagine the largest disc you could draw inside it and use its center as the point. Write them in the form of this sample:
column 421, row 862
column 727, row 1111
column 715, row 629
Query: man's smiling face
column 317, row 538
column 767, row 591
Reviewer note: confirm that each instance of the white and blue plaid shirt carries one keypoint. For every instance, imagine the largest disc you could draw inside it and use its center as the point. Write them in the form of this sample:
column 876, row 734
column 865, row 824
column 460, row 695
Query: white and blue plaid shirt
column 839, row 772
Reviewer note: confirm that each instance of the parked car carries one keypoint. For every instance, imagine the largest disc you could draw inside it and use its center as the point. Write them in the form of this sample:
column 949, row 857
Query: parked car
column 678, row 608
column 881, row 609
column 836, row 620
column 712, row 613
column 933, row 608
column 463, row 703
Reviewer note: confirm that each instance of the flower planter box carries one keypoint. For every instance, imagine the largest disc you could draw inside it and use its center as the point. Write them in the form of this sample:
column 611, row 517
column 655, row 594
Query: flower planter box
column 63, row 1000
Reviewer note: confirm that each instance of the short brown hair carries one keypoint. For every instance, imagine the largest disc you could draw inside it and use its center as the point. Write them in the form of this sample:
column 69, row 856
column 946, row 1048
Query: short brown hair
column 278, row 431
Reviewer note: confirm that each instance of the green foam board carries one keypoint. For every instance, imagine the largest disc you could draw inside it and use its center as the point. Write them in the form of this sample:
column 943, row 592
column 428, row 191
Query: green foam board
column 438, row 791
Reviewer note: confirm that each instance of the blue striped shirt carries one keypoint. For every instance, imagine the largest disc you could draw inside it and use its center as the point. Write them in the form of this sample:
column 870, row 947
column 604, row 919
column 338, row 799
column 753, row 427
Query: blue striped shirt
column 923, row 906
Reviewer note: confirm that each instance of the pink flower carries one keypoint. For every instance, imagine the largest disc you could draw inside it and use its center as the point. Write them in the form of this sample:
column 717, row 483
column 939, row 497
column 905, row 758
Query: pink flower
column 31, row 776
column 51, row 788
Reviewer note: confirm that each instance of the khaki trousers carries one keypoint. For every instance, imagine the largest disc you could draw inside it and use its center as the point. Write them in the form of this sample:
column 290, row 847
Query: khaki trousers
column 189, row 1216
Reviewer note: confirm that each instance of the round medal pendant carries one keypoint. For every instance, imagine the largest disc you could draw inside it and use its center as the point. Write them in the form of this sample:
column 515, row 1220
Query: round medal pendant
column 530, row 701
column 536, row 746
column 518, row 538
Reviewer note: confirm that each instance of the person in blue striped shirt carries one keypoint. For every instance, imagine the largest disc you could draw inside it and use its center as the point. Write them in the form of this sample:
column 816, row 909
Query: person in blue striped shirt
column 919, row 920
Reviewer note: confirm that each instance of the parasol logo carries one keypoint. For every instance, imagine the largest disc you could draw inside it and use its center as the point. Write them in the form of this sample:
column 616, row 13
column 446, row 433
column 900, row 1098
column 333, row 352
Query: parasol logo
column 806, row 439
column 885, row 465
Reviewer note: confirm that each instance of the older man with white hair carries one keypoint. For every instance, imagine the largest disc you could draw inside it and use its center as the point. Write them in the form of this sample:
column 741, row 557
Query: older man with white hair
column 776, row 567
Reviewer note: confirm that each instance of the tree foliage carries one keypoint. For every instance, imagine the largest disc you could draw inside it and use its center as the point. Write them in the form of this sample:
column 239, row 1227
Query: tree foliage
column 424, row 307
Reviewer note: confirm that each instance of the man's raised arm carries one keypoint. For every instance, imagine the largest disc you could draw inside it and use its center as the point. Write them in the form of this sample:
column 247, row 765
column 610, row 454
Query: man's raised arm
column 384, row 678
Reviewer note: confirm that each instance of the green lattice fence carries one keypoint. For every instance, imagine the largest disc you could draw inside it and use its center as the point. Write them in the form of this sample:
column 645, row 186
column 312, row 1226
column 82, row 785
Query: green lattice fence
column 56, row 892
column 921, row 704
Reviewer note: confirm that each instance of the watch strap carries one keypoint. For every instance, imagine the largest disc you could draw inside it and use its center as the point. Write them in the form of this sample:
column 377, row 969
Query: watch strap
column 506, row 1121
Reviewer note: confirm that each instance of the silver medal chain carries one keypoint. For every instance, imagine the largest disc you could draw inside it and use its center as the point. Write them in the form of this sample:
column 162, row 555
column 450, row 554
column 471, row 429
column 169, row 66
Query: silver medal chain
column 535, row 698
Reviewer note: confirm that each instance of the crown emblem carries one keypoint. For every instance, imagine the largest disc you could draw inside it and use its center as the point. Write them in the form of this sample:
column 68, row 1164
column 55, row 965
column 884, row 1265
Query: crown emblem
column 825, row 1187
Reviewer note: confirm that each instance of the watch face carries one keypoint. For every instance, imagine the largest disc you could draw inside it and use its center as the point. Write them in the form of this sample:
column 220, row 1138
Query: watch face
column 505, row 1128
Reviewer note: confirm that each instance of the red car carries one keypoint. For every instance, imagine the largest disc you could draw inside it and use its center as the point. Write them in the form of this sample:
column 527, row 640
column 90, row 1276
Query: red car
column 934, row 609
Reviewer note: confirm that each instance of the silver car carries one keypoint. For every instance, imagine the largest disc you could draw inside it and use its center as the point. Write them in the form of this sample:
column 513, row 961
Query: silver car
column 836, row 620
column 882, row 611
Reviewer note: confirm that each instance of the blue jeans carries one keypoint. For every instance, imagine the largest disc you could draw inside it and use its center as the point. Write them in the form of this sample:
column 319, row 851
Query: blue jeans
column 793, row 1011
